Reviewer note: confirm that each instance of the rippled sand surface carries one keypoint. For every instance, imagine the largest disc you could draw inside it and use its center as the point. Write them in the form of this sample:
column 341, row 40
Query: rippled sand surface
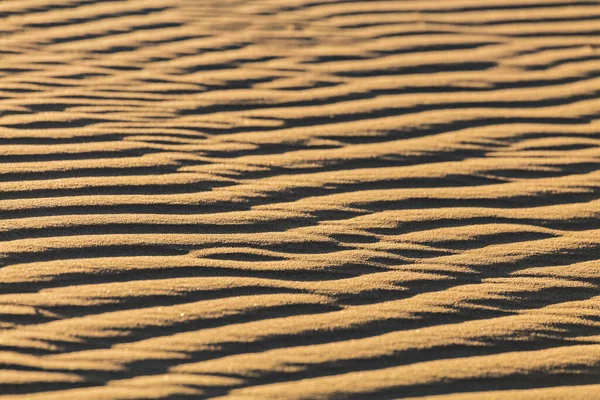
column 299, row 199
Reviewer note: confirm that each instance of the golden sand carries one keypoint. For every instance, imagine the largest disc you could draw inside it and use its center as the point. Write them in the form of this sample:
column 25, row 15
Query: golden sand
column 299, row 199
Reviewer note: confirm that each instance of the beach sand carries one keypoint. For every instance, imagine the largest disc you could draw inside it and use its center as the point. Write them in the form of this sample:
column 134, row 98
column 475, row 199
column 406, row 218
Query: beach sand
column 299, row 199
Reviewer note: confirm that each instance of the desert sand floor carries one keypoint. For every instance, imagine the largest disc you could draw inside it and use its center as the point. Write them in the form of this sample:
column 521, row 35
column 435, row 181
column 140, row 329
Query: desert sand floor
column 299, row 199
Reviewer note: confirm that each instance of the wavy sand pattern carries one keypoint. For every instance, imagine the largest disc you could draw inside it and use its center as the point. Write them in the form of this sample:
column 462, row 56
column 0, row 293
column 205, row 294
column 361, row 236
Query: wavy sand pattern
column 300, row 199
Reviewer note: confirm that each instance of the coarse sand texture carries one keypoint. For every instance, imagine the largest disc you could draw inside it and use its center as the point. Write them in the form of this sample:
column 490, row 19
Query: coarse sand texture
column 299, row 199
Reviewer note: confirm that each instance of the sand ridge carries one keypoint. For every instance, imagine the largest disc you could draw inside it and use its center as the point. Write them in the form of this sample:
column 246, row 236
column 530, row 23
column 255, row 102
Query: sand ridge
column 299, row 199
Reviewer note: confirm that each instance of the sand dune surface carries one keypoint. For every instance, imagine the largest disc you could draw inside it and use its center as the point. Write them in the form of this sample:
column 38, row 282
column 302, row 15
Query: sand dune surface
column 300, row 199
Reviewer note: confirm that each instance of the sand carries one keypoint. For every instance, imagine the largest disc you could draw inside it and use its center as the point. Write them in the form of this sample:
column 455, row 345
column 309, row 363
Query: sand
column 299, row 199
